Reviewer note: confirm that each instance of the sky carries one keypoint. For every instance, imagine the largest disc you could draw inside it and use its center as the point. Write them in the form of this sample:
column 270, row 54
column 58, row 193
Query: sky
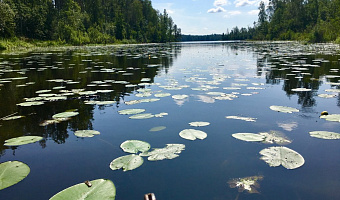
column 204, row 17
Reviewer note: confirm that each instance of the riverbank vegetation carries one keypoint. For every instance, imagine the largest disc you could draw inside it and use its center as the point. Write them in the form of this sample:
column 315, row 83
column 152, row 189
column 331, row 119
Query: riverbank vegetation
column 79, row 22
column 307, row 20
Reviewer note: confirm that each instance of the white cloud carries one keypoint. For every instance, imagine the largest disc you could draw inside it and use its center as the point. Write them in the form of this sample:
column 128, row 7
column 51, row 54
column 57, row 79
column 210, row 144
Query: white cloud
column 170, row 11
column 241, row 3
column 253, row 12
column 220, row 3
column 232, row 13
column 216, row 10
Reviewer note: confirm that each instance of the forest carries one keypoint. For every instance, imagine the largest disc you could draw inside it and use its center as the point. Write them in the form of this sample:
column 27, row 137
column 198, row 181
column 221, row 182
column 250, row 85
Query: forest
column 307, row 20
column 79, row 22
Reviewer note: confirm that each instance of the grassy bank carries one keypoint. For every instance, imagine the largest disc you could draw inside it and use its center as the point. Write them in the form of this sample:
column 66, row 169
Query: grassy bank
column 24, row 44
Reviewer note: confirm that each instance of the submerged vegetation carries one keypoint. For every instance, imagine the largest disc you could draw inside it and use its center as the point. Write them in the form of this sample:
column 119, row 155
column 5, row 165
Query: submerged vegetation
column 60, row 22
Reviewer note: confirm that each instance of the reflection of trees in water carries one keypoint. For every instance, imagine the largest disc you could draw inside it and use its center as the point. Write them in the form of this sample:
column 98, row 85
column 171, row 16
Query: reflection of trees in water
column 68, row 65
column 283, row 70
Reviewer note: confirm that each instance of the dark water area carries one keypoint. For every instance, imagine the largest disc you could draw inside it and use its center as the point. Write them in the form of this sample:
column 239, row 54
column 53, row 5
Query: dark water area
column 259, row 75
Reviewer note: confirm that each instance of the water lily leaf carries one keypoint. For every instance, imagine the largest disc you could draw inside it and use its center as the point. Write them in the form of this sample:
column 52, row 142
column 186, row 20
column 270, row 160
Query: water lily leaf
column 249, row 184
column 277, row 137
column 65, row 115
column 144, row 94
column 130, row 111
column 12, row 117
column 180, row 97
column 53, row 121
column 142, row 116
column 149, row 100
column 249, row 137
column 248, row 119
column 12, row 172
column 332, row 118
column 327, row 96
column 22, row 140
column 86, row 133
column 301, row 90
column 31, row 103
column 133, row 146
column 171, row 151
column 284, row 109
column 162, row 95
column 42, row 91
column 325, row 135
column 99, row 189
column 128, row 162
column 276, row 156
column 192, row 134
column 198, row 124
column 161, row 114
column 157, row 128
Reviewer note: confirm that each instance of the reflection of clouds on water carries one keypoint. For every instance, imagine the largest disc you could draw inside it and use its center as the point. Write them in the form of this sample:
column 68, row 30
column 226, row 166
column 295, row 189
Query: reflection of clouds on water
column 205, row 99
column 288, row 126
column 180, row 102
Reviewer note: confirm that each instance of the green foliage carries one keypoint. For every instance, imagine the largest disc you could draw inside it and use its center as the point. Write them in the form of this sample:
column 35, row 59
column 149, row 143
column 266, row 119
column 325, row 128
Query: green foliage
column 83, row 22
column 312, row 20
column 7, row 24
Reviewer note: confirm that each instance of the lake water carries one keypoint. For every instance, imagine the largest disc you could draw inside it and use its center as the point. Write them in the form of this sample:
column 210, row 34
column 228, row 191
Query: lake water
column 254, row 75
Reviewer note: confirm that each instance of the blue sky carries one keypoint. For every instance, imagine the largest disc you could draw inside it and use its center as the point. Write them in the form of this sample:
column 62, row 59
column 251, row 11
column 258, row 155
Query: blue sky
column 201, row 17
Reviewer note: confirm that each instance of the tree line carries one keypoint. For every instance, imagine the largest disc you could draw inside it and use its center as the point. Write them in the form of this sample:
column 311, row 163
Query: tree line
column 86, row 21
column 309, row 20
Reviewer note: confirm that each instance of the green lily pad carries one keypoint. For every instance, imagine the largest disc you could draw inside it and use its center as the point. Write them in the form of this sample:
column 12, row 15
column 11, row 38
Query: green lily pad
column 99, row 189
column 284, row 109
column 180, row 97
column 332, row 118
column 12, row 172
column 86, row 133
column 192, row 134
column 247, row 119
column 53, row 121
column 276, row 156
column 130, row 111
column 65, row 115
column 277, row 137
column 133, row 146
column 31, row 103
column 249, row 184
column 249, row 137
column 12, row 117
column 161, row 114
column 157, row 128
column 325, row 135
column 162, row 95
column 198, row 124
column 171, row 151
column 142, row 116
column 128, row 162
column 327, row 96
column 22, row 140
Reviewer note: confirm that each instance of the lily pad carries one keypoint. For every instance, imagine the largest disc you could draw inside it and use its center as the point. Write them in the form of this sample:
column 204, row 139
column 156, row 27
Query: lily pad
column 53, row 121
column 12, row 172
column 22, row 140
column 142, row 116
column 192, row 134
column 332, row 118
column 12, row 117
column 31, row 103
column 249, row 137
column 161, row 114
column 99, row 189
column 86, row 133
column 65, row 115
column 325, row 135
column 198, row 124
column 157, row 128
column 277, row 137
column 133, row 146
column 130, row 111
column 171, row 151
column 249, row 184
column 248, row 119
column 128, row 162
column 284, row 109
column 180, row 97
column 276, row 156
column 162, row 95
